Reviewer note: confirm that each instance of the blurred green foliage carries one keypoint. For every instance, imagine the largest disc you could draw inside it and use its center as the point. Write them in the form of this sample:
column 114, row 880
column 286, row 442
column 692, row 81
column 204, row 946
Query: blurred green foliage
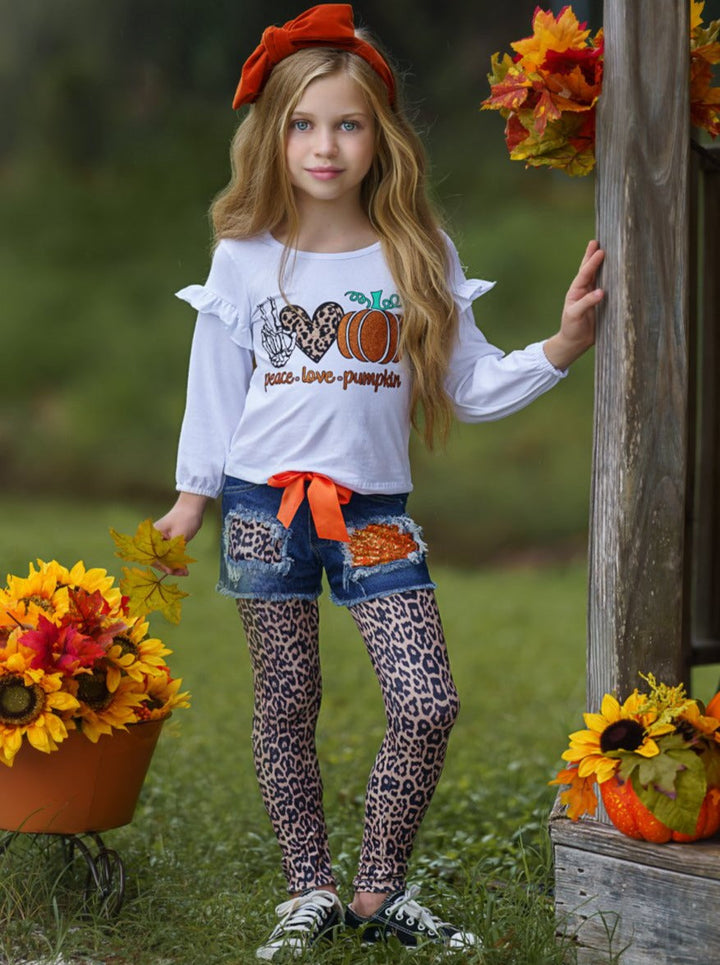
column 116, row 123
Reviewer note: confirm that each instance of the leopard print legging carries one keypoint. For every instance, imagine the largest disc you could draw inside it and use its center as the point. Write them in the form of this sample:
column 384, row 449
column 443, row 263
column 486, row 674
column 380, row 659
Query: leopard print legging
column 404, row 638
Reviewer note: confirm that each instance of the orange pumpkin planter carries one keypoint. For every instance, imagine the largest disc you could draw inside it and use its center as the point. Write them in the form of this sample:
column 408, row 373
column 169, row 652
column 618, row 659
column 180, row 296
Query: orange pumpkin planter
column 371, row 334
column 673, row 740
column 631, row 817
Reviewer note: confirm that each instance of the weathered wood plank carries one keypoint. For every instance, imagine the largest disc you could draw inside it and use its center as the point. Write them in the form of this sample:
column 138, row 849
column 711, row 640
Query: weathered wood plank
column 706, row 576
column 637, row 545
column 652, row 916
column 701, row 857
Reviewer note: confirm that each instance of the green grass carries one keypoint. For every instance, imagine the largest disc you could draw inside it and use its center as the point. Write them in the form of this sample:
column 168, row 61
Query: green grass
column 202, row 864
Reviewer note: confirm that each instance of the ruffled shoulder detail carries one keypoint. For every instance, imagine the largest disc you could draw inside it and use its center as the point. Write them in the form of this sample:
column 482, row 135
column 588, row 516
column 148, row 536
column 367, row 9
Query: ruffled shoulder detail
column 207, row 302
column 468, row 289
column 464, row 290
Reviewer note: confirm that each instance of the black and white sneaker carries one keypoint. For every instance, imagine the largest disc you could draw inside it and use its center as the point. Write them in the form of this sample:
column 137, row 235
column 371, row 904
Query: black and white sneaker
column 303, row 920
column 411, row 923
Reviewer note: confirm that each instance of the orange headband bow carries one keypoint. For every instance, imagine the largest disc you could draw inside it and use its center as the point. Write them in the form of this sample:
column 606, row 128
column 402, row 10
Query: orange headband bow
column 328, row 25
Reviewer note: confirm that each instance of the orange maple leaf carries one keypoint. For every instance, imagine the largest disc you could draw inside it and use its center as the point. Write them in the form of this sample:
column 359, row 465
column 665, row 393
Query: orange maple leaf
column 580, row 797
column 571, row 91
column 559, row 33
column 713, row 708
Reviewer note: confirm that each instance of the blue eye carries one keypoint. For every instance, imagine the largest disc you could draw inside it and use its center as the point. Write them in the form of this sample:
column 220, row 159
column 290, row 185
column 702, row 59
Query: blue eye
column 349, row 125
column 301, row 125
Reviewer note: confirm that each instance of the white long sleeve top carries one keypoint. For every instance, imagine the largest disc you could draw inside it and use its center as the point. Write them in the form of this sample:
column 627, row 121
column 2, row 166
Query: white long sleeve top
column 308, row 379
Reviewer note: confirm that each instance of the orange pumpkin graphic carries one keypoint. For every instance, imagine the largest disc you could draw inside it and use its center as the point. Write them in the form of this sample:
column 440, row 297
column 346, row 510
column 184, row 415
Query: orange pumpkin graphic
column 371, row 334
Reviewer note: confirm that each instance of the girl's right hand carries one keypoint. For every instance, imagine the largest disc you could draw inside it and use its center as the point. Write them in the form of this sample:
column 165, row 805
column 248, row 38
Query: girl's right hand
column 184, row 519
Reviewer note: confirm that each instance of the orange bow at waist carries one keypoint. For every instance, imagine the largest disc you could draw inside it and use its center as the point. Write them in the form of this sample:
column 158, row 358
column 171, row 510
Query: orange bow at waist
column 324, row 497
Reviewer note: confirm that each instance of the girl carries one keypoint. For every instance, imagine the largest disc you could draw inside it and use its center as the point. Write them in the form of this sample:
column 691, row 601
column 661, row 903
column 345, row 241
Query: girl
column 334, row 315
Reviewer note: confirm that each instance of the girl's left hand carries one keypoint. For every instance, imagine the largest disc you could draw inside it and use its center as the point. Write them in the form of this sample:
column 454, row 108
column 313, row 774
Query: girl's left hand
column 577, row 325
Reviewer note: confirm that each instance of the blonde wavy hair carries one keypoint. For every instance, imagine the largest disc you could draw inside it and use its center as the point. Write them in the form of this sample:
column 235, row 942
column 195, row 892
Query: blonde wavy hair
column 259, row 198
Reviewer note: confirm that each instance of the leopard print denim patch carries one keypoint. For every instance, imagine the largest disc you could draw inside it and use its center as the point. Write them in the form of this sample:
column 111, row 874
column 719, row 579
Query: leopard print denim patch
column 255, row 542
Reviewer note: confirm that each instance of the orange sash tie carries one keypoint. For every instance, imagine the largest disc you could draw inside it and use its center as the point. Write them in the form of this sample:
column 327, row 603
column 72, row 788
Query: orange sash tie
column 324, row 496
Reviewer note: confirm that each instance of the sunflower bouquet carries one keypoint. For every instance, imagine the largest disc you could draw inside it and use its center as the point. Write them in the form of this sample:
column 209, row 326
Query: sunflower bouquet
column 548, row 91
column 656, row 760
column 76, row 652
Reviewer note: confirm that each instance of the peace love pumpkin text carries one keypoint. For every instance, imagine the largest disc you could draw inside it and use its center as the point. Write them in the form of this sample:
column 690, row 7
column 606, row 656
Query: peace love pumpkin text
column 378, row 380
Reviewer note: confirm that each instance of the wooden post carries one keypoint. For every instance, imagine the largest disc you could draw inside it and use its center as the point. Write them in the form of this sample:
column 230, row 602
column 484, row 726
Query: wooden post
column 637, row 545
column 626, row 900
column 706, row 528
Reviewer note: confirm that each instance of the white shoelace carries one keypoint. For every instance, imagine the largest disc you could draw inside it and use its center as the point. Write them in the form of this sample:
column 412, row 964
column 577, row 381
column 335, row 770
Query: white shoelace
column 302, row 914
column 407, row 907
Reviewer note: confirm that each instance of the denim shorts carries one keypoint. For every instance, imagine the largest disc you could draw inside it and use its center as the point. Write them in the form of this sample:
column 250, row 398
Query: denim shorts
column 262, row 559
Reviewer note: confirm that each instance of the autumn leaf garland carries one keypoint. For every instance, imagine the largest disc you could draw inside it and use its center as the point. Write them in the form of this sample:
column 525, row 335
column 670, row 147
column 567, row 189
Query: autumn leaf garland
column 549, row 90
column 704, row 53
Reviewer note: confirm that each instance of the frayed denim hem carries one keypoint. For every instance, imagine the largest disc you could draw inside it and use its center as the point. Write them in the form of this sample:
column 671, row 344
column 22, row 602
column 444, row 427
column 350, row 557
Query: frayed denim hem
column 272, row 597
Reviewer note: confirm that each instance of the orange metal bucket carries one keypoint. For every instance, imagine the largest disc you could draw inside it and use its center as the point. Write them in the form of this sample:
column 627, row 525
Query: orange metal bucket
column 80, row 787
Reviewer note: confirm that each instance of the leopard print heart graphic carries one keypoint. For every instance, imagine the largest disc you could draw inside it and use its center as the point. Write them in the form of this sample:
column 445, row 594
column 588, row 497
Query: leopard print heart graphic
column 315, row 335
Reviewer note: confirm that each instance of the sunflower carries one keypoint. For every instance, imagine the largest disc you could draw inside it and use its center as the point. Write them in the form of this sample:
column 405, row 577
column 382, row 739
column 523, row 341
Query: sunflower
column 32, row 705
column 700, row 723
column 92, row 581
column 163, row 697
column 133, row 653
column 627, row 727
column 39, row 593
column 100, row 709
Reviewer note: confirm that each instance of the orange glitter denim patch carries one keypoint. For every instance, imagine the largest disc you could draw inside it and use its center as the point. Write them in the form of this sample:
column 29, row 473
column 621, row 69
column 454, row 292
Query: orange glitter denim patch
column 380, row 543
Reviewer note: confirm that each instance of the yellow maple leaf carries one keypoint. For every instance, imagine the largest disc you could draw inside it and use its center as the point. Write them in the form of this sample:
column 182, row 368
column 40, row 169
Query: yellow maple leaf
column 696, row 10
column 150, row 547
column 146, row 590
column 499, row 67
column 562, row 145
column 550, row 33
